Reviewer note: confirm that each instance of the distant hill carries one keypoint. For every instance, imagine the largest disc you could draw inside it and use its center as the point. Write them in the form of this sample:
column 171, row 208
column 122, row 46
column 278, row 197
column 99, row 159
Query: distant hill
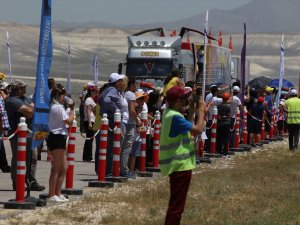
column 263, row 51
column 261, row 16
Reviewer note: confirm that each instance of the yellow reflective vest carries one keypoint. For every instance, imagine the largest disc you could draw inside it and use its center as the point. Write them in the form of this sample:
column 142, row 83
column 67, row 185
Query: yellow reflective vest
column 293, row 106
column 176, row 153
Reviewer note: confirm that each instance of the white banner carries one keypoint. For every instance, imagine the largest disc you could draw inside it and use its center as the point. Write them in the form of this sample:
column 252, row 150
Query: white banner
column 9, row 58
column 204, row 57
column 95, row 68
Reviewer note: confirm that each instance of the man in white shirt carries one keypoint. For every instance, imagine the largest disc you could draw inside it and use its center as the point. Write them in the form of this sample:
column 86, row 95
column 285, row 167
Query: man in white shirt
column 214, row 101
column 234, row 105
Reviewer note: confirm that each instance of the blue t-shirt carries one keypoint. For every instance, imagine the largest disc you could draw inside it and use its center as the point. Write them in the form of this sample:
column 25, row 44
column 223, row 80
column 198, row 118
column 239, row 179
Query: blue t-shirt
column 268, row 99
column 179, row 125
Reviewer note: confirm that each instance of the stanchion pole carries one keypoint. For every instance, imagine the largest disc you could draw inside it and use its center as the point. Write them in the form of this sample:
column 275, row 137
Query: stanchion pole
column 19, row 202
column 213, row 138
column 71, row 158
column 116, row 150
column 142, row 160
column 271, row 132
column 237, row 129
column 21, row 162
column 117, row 144
column 102, row 148
column 245, row 130
column 237, row 147
column 142, row 164
column 156, row 138
column 156, row 144
column 275, row 122
column 262, row 134
column 102, row 156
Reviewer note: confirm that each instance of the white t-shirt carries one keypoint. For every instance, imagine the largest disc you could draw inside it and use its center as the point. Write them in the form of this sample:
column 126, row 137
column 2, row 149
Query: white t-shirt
column 57, row 115
column 215, row 101
column 208, row 98
column 236, row 102
column 130, row 96
column 89, row 101
column 124, row 109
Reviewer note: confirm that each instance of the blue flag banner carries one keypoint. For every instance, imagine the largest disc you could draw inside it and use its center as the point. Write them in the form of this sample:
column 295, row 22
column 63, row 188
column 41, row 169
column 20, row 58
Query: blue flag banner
column 42, row 93
column 243, row 67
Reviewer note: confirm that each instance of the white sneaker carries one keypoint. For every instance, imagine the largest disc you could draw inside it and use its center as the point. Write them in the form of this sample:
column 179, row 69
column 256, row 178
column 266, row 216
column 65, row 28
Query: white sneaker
column 55, row 198
column 63, row 198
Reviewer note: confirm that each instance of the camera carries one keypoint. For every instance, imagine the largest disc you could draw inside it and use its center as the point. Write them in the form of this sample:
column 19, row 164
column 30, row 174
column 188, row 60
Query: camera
column 68, row 102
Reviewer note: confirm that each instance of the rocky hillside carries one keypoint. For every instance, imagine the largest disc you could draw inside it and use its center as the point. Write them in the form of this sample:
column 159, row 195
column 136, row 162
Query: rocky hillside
column 110, row 45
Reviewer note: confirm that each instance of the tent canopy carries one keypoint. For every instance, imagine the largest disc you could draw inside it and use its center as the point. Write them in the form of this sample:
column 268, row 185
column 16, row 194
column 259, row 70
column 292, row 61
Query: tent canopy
column 259, row 82
column 285, row 83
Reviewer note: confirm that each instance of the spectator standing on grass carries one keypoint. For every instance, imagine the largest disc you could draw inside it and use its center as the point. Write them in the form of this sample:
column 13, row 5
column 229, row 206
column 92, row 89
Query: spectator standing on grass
column 18, row 105
column 124, row 121
column 268, row 93
column 293, row 119
column 110, row 101
column 58, row 122
column 223, row 125
column 215, row 100
column 89, row 120
column 4, row 126
column 177, row 154
column 234, row 105
column 136, row 145
column 129, row 128
column 257, row 113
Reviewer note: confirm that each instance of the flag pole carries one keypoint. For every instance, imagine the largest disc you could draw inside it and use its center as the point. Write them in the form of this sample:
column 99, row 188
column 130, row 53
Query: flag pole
column 281, row 76
column 243, row 66
column 68, row 86
column 204, row 57
column 9, row 58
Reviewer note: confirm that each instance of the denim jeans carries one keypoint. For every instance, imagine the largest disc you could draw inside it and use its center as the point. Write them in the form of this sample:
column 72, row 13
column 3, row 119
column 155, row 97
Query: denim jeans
column 126, row 146
column 97, row 141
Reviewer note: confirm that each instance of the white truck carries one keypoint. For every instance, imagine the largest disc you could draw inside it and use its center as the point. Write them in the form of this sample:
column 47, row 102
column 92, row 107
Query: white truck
column 151, row 58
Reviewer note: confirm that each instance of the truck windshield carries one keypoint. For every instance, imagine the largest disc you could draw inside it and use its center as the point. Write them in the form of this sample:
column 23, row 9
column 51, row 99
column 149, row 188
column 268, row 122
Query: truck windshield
column 152, row 69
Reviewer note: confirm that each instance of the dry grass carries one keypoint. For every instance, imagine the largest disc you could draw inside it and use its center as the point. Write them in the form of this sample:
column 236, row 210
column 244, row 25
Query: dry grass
column 253, row 188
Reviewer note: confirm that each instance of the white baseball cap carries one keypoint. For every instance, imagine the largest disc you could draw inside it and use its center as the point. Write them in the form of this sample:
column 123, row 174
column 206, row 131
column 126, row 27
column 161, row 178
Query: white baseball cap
column 3, row 85
column 294, row 92
column 114, row 77
column 236, row 89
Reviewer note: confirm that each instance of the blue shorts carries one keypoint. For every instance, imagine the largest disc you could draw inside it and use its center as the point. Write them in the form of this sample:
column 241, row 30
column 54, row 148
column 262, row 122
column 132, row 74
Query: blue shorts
column 136, row 149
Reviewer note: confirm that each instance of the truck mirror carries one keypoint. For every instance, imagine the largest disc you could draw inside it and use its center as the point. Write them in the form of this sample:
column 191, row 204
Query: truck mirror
column 120, row 68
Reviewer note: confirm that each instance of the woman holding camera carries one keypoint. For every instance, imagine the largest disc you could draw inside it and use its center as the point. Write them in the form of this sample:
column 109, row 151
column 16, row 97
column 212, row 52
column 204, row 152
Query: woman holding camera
column 58, row 122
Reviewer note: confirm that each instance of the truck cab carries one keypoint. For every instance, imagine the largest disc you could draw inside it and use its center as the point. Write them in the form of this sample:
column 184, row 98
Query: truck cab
column 152, row 55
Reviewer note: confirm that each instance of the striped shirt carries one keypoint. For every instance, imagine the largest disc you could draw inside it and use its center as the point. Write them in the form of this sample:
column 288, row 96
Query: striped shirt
column 3, row 113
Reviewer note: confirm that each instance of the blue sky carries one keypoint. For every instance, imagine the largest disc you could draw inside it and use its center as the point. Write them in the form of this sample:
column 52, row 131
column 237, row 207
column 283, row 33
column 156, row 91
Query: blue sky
column 111, row 11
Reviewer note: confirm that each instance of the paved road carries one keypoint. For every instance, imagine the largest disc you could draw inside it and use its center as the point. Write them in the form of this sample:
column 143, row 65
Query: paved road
column 84, row 171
